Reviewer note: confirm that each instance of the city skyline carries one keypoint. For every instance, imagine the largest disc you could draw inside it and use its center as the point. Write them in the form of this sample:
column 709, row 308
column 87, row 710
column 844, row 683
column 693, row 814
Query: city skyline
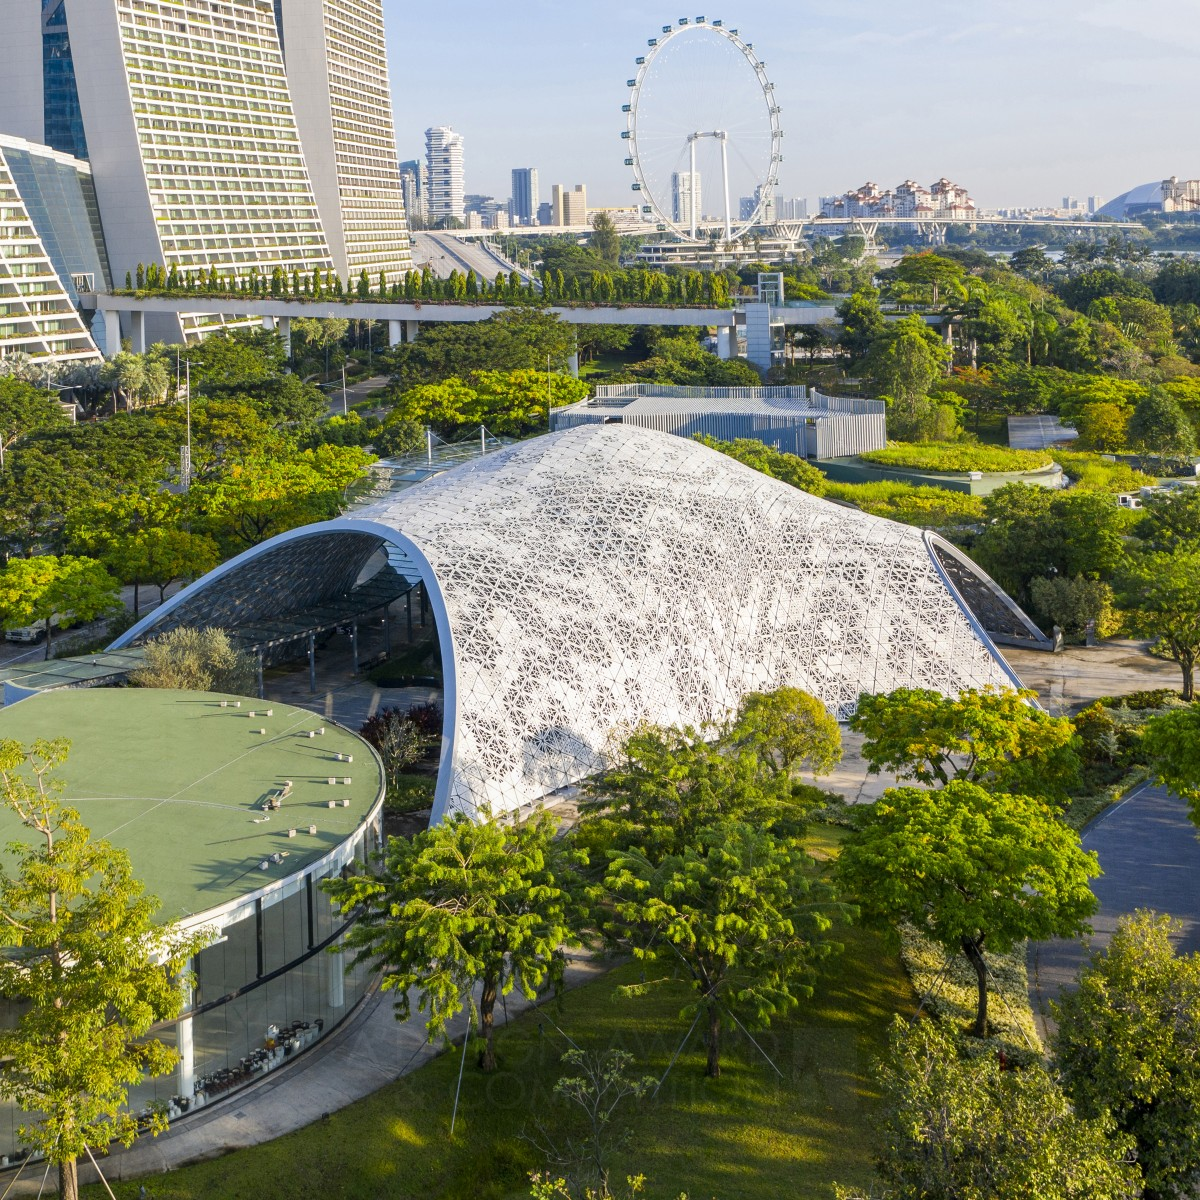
column 1068, row 101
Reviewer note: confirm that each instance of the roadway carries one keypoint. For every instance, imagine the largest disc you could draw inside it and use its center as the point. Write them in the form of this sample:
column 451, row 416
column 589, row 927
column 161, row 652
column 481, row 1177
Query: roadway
column 443, row 253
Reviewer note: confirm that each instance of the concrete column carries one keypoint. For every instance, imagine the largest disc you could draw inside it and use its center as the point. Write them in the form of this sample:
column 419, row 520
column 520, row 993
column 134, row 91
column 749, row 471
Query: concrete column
column 284, row 327
column 395, row 332
column 411, row 330
column 574, row 365
column 387, row 630
column 137, row 332
column 268, row 323
column 112, row 333
column 354, row 645
column 186, row 1077
column 337, row 978
column 312, row 663
column 726, row 342
column 262, row 691
column 408, row 613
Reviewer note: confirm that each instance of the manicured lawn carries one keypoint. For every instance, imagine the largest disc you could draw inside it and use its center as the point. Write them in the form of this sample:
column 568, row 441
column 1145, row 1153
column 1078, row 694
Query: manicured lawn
column 747, row 1135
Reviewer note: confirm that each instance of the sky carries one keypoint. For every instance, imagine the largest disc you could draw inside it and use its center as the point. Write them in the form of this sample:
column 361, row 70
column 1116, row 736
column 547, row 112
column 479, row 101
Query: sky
column 1020, row 101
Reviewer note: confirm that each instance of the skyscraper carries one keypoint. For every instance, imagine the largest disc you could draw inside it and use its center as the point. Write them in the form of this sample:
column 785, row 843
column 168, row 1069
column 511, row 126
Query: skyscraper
column 444, row 192
column 190, row 132
column 525, row 195
column 336, row 61
column 202, row 154
column 683, row 203
column 412, row 184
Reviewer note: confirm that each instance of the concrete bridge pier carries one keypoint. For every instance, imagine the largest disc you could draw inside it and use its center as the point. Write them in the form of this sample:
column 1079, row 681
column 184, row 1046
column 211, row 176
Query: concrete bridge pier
column 111, row 330
column 401, row 332
column 726, row 342
column 137, row 331
column 283, row 327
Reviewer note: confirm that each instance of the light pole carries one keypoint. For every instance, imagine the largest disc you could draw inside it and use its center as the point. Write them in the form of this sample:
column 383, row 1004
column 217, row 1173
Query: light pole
column 344, row 409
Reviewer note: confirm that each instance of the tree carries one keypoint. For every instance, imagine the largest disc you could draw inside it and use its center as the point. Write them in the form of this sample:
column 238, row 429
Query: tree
column 467, row 904
column 1171, row 520
column 605, row 239
column 1103, row 427
column 862, row 322
column 38, row 589
column 994, row 738
column 1157, row 592
column 955, row 1125
column 738, row 908
column 1172, row 743
column 933, row 272
column 663, row 786
column 968, row 868
column 597, row 1092
column 163, row 555
column 1072, row 604
column 196, row 660
column 1128, row 1044
column 791, row 468
column 1160, row 427
column 902, row 362
column 24, row 408
column 93, row 968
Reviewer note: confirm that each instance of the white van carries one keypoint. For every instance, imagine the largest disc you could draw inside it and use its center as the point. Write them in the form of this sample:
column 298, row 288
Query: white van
column 29, row 634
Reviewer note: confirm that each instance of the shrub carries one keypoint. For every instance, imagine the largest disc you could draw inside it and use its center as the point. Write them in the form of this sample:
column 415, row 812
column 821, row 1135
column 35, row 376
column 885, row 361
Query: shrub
column 427, row 718
column 910, row 504
column 790, row 468
column 1140, row 701
column 399, row 740
column 1094, row 473
column 958, row 457
column 197, row 660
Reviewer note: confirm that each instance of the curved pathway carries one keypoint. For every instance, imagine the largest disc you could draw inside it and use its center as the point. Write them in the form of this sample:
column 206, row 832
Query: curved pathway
column 1150, row 856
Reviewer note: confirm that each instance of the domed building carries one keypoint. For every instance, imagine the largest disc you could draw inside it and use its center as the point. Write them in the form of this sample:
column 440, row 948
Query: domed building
column 588, row 580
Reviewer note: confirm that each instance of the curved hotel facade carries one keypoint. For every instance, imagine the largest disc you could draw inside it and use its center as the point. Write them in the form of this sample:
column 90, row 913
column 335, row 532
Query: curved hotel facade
column 202, row 152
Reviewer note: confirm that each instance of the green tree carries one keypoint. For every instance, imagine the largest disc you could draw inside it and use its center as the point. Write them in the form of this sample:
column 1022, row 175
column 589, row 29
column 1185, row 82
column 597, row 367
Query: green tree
column 24, row 408
column 467, row 904
column 968, row 868
column 1171, row 520
column 94, row 969
column 1160, row 428
column 933, row 274
column 862, row 322
column 1103, row 427
column 664, row 785
column 739, row 908
column 994, row 738
column 605, row 240
column 1128, row 1044
column 1172, row 743
column 164, row 555
column 1157, row 592
column 902, row 362
column 957, row 1125
column 36, row 589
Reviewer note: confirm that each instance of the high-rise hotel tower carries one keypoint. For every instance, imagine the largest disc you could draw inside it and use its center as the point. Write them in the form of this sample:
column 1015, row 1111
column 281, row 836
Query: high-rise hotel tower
column 336, row 60
column 201, row 153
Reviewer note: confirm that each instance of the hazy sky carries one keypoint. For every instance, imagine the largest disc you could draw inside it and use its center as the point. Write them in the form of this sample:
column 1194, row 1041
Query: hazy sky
column 1021, row 101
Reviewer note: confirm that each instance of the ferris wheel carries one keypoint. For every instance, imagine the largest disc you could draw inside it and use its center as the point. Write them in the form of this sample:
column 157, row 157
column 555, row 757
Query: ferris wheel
column 704, row 137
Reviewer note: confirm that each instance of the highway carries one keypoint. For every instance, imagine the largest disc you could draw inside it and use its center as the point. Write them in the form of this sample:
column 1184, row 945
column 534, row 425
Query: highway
column 443, row 253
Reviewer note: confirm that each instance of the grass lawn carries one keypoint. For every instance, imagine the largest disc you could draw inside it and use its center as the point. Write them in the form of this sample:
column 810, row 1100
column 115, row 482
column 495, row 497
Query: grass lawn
column 745, row 1136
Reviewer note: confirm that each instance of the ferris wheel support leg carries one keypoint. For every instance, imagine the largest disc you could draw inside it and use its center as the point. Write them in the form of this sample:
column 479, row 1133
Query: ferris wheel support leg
column 725, row 180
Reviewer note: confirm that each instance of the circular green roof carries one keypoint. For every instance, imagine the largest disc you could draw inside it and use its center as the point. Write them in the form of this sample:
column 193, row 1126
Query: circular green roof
column 184, row 782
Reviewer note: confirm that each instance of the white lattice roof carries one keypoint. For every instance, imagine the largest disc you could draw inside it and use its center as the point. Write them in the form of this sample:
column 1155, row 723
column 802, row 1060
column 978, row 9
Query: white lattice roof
column 591, row 579
column 608, row 575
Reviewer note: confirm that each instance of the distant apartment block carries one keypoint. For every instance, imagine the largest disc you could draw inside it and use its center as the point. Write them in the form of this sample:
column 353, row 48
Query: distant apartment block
column 569, row 207
column 525, row 198
column 1180, row 195
column 909, row 199
column 50, row 249
column 545, row 213
column 412, row 185
column 444, row 167
column 792, row 209
column 749, row 205
column 336, row 58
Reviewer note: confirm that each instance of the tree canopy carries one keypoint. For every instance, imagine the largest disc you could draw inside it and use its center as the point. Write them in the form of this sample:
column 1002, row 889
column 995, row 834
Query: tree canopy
column 968, row 868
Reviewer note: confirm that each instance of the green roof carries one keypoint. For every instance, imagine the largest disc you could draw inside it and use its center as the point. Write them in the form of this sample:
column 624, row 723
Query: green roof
column 178, row 781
